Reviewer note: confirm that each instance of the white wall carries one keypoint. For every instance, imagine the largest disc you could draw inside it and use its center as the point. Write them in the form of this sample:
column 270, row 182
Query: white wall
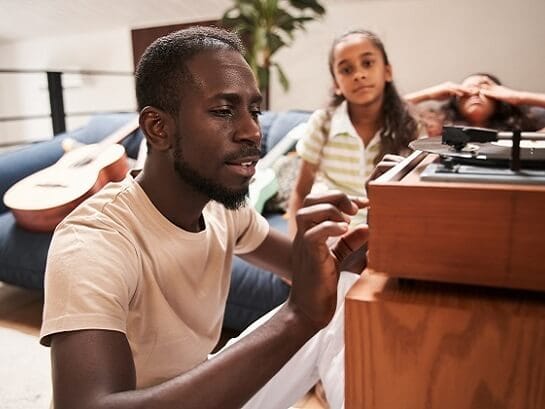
column 26, row 94
column 428, row 41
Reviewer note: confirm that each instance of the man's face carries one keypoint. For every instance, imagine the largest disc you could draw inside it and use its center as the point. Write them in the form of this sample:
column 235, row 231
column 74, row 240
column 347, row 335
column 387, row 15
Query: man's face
column 218, row 136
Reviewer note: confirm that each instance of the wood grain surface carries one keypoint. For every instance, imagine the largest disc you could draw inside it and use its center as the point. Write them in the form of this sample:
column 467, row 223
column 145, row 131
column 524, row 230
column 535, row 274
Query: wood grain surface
column 413, row 345
column 473, row 233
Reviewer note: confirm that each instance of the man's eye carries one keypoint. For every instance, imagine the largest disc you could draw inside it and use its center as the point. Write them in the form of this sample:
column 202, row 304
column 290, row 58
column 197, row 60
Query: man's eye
column 224, row 112
column 256, row 112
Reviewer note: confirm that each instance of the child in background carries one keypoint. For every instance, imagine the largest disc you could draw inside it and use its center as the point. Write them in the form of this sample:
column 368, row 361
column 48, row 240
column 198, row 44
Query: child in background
column 482, row 101
column 366, row 120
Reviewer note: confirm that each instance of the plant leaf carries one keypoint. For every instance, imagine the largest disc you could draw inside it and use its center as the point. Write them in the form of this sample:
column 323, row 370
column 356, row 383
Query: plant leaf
column 282, row 77
column 308, row 4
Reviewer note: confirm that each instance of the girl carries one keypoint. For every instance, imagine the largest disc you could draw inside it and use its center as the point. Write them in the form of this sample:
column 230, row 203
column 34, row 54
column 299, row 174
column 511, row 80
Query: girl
column 366, row 119
column 482, row 101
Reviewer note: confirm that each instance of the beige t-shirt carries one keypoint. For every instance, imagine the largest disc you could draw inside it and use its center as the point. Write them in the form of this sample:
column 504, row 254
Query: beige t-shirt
column 117, row 264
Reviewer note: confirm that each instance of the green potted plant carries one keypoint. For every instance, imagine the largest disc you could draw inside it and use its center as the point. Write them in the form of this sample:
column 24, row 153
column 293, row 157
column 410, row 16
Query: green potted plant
column 266, row 26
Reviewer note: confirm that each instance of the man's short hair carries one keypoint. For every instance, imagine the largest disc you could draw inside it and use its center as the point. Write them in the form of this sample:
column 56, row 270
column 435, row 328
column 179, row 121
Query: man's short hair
column 162, row 72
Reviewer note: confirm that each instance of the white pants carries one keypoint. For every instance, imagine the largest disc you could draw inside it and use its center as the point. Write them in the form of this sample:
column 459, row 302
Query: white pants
column 321, row 358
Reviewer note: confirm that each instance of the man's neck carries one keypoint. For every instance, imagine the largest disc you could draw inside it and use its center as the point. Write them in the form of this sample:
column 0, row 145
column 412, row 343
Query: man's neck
column 175, row 200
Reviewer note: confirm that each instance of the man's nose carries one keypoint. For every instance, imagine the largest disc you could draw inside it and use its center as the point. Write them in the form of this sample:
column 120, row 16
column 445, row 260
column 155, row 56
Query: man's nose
column 249, row 130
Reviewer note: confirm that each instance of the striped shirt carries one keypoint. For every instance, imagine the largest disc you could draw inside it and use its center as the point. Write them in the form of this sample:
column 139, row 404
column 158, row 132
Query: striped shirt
column 344, row 163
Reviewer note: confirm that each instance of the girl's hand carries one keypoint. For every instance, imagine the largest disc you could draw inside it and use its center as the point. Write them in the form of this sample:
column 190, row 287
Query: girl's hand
column 500, row 93
column 438, row 92
column 446, row 90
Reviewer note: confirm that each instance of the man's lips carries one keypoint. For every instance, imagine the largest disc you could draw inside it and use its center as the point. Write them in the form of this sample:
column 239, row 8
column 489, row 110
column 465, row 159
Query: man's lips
column 243, row 166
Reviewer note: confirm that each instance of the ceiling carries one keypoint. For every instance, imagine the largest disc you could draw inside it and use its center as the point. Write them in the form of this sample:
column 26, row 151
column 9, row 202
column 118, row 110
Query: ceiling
column 25, row 19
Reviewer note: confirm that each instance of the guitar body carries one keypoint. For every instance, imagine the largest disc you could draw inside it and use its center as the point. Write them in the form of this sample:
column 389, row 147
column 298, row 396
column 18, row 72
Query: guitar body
column 263, row 186
column 40, row 201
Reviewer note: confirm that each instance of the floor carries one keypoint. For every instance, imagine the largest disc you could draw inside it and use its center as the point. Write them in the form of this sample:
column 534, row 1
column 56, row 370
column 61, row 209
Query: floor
column 21, row 310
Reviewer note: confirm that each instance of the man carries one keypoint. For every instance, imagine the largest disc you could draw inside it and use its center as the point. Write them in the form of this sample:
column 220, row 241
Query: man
column 138, row 275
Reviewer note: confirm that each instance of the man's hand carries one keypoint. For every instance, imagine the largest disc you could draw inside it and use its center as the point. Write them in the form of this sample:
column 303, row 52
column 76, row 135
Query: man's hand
column 315, row 265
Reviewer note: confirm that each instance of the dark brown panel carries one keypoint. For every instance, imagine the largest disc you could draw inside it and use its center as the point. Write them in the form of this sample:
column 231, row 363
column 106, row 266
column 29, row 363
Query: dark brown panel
column 143, row 37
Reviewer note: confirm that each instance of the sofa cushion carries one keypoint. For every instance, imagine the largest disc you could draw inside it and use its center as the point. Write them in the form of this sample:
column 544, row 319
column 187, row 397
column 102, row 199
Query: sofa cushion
column 22, row 254
column 275, row 125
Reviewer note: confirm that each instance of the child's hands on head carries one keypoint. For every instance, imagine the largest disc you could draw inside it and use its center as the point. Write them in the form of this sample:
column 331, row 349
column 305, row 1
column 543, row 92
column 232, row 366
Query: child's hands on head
column 446, row 90
column 500, row 93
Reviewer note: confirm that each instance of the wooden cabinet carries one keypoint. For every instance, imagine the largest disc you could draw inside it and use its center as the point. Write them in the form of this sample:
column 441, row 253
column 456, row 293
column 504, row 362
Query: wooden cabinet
column 425, row 341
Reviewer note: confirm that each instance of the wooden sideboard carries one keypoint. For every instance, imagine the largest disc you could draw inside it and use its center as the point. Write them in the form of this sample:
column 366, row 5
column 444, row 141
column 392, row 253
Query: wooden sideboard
column 427, row 341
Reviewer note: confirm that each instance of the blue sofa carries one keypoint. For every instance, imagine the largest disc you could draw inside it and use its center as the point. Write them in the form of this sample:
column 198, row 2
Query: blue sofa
column 23, row 253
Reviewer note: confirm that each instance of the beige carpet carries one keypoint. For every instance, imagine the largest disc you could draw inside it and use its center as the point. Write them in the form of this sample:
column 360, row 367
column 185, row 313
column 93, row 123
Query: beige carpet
column 25, row 371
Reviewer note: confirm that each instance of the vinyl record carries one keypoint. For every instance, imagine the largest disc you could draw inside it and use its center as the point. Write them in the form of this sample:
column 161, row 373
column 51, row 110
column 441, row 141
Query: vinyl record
column 497, row 154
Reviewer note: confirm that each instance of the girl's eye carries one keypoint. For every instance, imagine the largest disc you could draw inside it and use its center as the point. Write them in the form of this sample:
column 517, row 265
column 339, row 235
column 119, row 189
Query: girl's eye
column 345, row 70
column 368, row 63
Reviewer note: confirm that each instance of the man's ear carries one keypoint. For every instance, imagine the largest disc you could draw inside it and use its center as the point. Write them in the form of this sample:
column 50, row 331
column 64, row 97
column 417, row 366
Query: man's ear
column 158, row 127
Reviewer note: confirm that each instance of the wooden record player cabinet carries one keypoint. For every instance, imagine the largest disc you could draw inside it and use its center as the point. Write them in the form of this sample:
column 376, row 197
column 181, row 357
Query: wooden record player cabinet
column 451, row 311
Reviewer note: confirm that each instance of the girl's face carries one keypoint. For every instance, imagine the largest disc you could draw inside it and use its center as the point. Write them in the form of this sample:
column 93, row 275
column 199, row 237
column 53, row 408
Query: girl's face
column 475, row 107
column 359, row 70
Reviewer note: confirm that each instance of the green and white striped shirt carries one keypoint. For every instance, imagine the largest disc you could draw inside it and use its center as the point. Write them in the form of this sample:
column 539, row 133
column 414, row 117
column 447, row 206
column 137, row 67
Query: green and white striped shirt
column 344, row 163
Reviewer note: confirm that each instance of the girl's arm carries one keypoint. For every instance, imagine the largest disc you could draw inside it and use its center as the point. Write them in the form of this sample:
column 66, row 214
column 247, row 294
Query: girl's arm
column 303, row 184
column 513, row 97
column 437, row 92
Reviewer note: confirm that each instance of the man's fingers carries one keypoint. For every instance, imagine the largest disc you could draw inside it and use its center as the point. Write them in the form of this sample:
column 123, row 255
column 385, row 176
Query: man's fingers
column 350, row 242
column 322, row 232
column 310, row 216
column 344, row 203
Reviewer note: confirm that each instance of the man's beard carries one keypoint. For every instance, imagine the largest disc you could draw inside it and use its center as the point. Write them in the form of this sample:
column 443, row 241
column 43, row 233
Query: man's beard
column 231, row 199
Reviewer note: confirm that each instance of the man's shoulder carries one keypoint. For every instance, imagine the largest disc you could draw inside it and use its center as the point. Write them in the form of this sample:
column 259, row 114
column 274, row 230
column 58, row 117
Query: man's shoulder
column 107, row 211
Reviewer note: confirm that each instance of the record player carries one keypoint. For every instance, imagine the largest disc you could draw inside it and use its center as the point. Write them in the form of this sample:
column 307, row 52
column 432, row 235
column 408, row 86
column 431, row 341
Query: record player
column 450, row 345
column 485, row 155
column 467, row 207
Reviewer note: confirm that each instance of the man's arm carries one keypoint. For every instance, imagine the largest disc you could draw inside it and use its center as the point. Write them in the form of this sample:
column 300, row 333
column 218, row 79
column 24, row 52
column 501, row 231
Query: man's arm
column 274, row 254
column 95, row 369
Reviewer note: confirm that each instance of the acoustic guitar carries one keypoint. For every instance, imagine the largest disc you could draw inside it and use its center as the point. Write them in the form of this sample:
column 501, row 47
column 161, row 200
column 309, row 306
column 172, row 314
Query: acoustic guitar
column 41, row 200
